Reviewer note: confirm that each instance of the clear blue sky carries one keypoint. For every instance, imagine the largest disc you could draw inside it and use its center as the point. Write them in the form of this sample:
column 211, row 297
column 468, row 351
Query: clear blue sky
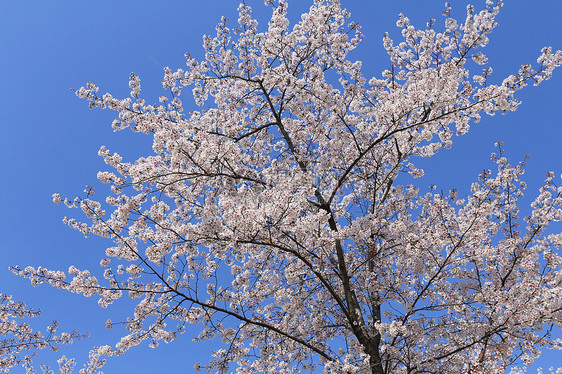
column 50, row 138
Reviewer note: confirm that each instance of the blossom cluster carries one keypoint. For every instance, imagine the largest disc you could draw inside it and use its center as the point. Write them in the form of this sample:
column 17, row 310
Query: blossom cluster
column 19, row 342
column 272, row 214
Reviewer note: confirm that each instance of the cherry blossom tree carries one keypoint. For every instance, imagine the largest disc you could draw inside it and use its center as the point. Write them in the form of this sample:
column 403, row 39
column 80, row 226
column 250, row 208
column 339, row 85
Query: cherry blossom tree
column 19, row 342
column 276, row 215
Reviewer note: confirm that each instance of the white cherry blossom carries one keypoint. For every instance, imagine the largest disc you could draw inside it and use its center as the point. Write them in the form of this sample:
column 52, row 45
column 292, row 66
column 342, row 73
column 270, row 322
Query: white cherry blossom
column 271, row 214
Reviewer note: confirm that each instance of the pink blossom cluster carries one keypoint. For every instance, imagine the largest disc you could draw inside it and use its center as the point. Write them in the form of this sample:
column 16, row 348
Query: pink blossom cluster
column 272, row 215
column 19, row 342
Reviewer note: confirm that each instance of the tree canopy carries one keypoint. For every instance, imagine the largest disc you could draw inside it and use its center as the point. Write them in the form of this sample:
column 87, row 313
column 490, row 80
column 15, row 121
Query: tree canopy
column 273, row 211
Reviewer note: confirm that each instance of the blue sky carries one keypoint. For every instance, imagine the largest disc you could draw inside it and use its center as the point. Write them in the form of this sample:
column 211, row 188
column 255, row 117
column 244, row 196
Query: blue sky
column 50, row 138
